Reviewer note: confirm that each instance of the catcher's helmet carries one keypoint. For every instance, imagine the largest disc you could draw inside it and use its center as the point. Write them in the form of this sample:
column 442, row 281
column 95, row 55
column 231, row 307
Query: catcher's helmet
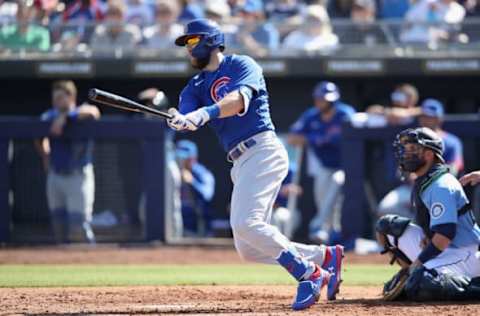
column 326, row 90
column 211, row 37
column 422, row 136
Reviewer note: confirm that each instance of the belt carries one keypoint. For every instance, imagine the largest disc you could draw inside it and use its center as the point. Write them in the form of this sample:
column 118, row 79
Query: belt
column 242, row 147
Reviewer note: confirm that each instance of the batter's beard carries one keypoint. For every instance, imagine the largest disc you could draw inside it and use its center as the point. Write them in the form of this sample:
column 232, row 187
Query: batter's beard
column 200, row 63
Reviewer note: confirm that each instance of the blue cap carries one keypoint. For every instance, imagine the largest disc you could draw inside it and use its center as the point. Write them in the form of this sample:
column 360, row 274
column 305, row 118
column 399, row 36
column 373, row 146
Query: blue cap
column 326, row 90
column 186, row 149
column 399, row 97
column 252, row 6
column 433, row 107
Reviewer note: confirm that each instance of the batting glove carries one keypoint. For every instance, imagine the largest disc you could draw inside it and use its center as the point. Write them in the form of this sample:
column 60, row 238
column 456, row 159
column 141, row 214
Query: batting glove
column 191, row 121
column 177, row 122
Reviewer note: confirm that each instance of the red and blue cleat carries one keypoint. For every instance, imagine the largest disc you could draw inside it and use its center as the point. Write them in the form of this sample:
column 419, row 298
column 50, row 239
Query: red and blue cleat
column 308, row 291
column 333, row 264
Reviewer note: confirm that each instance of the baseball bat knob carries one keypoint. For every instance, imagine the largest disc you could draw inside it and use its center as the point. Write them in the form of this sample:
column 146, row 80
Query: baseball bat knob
column 92, row 94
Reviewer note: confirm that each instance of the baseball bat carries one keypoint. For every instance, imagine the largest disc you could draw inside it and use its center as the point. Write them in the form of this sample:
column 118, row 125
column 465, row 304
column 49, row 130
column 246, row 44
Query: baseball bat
column 123, row 103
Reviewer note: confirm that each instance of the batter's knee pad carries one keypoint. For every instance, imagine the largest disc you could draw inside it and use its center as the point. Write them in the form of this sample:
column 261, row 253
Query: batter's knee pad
column 395, row 226
column 429, row 285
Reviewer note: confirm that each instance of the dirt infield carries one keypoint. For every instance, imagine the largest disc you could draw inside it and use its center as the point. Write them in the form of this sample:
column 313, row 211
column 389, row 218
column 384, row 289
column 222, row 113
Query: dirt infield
column 208, row 300
column 146, row 255
column 188, row 300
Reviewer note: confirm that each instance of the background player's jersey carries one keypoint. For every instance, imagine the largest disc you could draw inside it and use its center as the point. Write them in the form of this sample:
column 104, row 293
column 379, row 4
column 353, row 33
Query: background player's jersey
column 324, row 137
column 453, row 150
column 443, row 198
column 209, row 87
column 68, row 155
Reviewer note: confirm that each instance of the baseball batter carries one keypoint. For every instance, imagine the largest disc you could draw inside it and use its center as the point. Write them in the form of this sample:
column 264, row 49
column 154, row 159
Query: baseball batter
column 439, row 253
column 229, row 93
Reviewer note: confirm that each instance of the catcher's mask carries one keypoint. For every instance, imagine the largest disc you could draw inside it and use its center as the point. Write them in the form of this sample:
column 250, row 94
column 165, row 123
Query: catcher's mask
column 409, row 146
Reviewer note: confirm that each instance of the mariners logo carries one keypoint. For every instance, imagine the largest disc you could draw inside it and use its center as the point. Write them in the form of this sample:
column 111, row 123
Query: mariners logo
column 219, row 88
column 437, row 210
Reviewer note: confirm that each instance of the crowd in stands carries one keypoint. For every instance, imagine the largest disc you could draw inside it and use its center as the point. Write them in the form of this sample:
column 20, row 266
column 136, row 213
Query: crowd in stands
column 258, row 27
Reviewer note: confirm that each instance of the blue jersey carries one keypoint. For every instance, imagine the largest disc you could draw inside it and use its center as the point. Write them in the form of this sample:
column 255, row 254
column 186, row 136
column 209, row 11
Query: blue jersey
column 67, row 155
column 453, row 150
column 443, row 198
column 196, row 197
column 208, row 87
column 324, row 136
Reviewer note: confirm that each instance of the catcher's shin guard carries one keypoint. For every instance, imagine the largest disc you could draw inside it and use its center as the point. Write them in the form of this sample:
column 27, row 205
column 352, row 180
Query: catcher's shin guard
column 395, row 226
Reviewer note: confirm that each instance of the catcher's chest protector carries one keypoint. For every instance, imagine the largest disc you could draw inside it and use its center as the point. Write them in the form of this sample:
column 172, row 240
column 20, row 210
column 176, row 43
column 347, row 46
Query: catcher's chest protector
column 422, row 214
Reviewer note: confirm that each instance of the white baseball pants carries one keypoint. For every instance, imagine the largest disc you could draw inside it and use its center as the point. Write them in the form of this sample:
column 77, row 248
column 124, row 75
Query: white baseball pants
column 460, row 261
column 257, row 176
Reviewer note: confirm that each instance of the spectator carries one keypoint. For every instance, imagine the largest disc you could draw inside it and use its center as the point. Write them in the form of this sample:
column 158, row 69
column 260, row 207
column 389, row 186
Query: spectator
column 191, row 10
column 197, row 190
column 320, row 129
column 286, row 15
column 280, row 11
column 24, row 34
column 255, row 35
column 70, row 180
column 235, row 5
column 218, row 11
column 340, row 9
column 45, row 9
column 363, row 30
column 79, row 18
column 431, row 21
column 8, row 12
column 314, row 35
column 162, row 35
column 403, row 107
column 393, row 9
column 113, row 36
column 138, row 12
column 83, row 11
column 432, row 117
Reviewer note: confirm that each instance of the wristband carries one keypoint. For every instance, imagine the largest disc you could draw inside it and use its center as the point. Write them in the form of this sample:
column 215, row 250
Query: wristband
column 213, row 111
column 428, row 253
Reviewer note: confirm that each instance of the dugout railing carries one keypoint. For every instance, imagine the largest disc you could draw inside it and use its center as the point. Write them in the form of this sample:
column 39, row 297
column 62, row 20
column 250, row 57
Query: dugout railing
column 149, row 132
column 356, row 219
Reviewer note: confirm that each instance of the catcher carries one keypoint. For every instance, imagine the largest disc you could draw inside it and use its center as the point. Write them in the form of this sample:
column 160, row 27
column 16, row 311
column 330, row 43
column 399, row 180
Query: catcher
column 439, row 253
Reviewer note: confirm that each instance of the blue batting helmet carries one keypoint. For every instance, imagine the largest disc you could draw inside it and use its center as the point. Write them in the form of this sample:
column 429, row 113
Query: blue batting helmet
column 326, row 90
column 212, row 37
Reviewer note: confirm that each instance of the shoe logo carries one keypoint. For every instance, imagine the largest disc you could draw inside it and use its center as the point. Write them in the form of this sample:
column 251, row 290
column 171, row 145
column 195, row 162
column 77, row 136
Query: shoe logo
column 196, row 84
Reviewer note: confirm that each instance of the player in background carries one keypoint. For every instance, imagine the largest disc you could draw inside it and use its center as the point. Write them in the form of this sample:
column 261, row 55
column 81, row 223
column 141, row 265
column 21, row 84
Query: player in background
column 197, row 190
column 441, row 250
column 70, row 179
column 319, row 128
column 229, row 93
column 432, row 113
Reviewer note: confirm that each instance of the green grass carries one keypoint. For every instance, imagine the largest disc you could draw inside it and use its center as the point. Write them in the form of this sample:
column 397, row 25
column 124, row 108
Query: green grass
column 123, row 275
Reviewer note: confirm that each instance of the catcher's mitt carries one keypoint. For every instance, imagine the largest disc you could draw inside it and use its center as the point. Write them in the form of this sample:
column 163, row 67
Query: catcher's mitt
column 393, row 289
